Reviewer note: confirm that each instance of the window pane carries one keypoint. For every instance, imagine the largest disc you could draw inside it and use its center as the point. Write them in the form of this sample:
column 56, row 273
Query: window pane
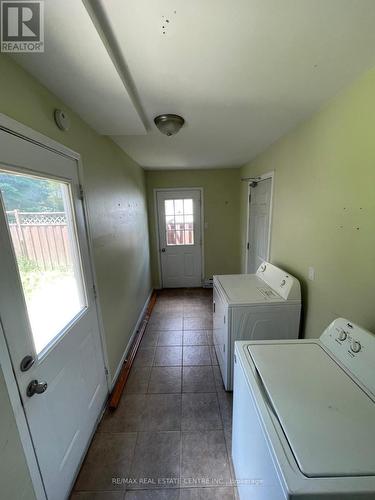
column 189, row 238
column 169, row 207
column 179, row 237
column 188, row 206
column 43, row 234
column 179, row 222
column 171, row 237
column 179, row 207
column 169, row 220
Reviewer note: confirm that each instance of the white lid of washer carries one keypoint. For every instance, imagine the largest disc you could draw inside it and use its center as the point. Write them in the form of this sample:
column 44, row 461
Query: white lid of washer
column 326, row 416
column 269, row 284
column 247, row 289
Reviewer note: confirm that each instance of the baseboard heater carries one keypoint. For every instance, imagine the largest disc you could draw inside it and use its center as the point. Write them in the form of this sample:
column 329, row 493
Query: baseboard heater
column 119, row 386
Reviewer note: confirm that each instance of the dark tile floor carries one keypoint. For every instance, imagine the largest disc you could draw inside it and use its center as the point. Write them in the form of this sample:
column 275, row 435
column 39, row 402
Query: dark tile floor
column 170, row 437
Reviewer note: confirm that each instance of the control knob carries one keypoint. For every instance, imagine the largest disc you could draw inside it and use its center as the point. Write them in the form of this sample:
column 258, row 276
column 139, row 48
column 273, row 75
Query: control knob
column 355, row 346
column 342, row 335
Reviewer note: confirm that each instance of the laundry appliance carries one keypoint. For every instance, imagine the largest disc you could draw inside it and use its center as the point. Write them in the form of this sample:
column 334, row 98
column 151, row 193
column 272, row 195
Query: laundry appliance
column 265, row 305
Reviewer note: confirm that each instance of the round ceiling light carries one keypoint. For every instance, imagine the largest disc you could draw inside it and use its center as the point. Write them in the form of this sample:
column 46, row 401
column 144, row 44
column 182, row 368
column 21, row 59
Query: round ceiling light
column 169, row 124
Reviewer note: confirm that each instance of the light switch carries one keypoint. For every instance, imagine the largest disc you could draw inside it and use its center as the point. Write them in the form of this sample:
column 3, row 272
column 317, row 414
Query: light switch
column 311, row 273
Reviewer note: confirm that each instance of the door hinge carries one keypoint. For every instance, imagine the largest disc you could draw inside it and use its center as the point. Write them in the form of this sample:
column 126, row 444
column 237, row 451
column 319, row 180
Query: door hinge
column 224, row 320
column 94, row 290
column 248, row 245
column 81, row 192
column 106, row 370
column 224, row 348
column 249, row 197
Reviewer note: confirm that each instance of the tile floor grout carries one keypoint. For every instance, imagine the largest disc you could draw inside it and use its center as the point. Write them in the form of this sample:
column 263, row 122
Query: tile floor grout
column 189, row 422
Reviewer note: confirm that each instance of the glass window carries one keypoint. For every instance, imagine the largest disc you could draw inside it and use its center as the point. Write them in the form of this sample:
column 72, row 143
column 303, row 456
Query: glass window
column 169, row 207
column 178, row 207
column 171, row 238
column 169, row 219
column 188, row 206
column 179, row 222
column 43, row 233
column 189, row 237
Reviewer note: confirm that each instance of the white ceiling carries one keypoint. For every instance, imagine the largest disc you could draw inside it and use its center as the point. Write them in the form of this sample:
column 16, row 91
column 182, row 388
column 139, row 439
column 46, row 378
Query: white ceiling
column 241, row 73
column 77, row 68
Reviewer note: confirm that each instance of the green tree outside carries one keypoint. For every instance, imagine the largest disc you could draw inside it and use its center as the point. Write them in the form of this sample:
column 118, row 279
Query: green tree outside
column 30, row 194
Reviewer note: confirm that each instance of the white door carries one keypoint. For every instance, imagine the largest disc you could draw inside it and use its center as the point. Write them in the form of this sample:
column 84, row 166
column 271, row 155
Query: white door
column 259, row 224
column 179, row 222
column 47, row 306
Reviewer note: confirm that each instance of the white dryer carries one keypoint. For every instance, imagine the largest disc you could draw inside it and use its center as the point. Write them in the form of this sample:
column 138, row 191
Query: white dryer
column 265, row 305
column 303, row 417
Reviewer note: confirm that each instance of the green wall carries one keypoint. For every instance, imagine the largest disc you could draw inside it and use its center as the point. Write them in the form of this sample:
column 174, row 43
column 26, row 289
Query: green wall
column 324, row 207
column 221, row 215
column 115, row 189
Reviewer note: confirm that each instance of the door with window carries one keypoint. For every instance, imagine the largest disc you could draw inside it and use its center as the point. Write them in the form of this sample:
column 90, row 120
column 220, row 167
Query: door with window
column 47, row 306
column 259, row 222
column 180, row 237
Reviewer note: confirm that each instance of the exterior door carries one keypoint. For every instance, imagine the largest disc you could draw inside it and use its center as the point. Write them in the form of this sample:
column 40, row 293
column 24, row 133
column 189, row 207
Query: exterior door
column 179, row 222
column 47, row 306
column 259, row 224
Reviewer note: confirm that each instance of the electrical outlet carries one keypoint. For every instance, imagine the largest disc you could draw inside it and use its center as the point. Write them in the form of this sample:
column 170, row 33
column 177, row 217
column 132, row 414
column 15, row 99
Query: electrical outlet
column 311, row 273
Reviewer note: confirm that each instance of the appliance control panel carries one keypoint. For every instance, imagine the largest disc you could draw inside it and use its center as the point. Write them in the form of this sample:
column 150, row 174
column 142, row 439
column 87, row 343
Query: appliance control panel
column 354, row 347
column 283, row 283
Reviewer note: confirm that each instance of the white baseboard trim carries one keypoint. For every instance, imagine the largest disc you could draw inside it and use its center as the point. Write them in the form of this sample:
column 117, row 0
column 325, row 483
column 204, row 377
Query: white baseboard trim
column 123, row 357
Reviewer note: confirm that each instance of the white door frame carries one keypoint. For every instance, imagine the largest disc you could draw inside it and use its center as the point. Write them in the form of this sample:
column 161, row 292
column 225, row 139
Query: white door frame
column 18, row 129
column 268, row 175
column 156, row 191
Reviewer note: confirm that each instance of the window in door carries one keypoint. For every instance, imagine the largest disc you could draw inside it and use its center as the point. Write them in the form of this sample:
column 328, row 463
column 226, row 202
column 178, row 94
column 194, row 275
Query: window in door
column 43, row 234
column 179, row 222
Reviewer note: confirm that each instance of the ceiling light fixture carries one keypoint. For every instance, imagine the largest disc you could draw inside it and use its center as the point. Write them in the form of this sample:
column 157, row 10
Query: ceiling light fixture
column 169, row 124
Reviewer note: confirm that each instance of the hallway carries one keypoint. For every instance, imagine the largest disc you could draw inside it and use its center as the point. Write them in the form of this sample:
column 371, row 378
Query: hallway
column 169, row 439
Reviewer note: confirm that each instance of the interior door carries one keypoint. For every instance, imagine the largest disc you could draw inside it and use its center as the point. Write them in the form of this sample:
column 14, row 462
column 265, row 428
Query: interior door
column 179, row 222
column 47, row 306
column 259, row 223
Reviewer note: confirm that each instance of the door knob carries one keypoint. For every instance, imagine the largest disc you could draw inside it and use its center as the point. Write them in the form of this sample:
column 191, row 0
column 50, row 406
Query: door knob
column 163, row 250
column 36, row 387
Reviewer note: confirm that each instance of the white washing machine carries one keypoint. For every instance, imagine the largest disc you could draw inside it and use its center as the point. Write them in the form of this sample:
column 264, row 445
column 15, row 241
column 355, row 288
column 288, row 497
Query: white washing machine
column 304, row 417
column 265, row 305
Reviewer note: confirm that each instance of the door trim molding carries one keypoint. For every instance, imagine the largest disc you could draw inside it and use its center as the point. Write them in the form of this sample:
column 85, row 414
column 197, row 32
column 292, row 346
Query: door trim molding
column 23, row 131
column 26, row 133
column 156, row 191
column 268, row 175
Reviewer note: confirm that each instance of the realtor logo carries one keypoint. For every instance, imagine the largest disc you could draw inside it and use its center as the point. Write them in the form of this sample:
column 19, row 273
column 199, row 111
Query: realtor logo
column 22, row 26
